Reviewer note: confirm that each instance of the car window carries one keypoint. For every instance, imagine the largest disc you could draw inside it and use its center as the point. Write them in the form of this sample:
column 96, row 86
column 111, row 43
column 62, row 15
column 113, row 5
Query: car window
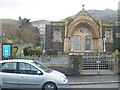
column 9, row 67
column 26, row 68
column 46, row 69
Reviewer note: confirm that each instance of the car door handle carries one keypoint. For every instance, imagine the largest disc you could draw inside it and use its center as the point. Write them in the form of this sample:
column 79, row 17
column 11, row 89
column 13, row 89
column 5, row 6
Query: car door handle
column 21, row 77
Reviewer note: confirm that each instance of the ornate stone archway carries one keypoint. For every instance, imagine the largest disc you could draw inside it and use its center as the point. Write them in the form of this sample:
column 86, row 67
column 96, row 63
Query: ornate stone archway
column 83, row 19
column 93, row 27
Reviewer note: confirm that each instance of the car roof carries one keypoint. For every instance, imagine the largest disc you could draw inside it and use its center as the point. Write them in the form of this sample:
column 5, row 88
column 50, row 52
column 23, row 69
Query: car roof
column 16, row 60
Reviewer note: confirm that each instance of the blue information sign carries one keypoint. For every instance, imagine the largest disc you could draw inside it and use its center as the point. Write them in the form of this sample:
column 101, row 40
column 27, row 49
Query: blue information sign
column 6, row 51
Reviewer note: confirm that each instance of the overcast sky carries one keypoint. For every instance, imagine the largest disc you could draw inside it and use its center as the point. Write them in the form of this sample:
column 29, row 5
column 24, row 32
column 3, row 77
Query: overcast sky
column 53, row 10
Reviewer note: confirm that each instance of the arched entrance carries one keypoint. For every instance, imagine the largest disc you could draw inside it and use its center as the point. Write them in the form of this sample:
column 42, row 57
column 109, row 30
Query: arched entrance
column 81, row 40
column 83, row 36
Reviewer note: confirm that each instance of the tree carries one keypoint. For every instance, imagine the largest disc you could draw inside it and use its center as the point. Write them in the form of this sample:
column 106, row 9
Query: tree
column 27, row 33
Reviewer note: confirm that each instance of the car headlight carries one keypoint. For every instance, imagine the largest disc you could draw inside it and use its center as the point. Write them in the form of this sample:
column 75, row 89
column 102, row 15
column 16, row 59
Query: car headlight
column 65, row 80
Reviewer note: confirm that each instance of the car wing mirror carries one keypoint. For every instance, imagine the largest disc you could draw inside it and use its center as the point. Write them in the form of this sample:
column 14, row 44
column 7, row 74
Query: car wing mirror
column 39, row 73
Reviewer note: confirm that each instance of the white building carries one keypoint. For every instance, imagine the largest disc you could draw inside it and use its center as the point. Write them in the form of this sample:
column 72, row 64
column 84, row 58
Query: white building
column 40, row 24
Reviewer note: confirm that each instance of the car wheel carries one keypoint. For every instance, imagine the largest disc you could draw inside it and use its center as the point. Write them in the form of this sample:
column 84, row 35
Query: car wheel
column 49, row 86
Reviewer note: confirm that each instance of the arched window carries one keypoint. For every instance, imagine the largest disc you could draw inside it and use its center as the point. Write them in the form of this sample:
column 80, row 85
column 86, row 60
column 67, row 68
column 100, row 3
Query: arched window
column 88, row 41
column 75, row 43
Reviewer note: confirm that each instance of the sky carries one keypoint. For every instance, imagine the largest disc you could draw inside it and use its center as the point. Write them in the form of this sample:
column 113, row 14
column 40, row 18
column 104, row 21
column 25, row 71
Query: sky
column 53, row 10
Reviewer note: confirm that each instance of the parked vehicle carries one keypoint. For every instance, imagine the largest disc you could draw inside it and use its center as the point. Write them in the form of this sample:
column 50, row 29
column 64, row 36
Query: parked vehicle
column 28, row 74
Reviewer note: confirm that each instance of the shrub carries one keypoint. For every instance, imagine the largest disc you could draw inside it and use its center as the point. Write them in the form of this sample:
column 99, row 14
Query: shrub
column 14, row 51
column 119, row 49
column 25, row 50
column 51, row 52
column 19, row 52
column 38, row 51
column 15, row 47
column 31, row 51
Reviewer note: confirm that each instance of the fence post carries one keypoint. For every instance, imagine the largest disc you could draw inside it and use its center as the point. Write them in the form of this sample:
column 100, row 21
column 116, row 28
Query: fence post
column 117, row 62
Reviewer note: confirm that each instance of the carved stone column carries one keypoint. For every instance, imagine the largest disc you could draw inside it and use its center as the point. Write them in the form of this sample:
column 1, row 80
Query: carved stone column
column 96, row 44
column 66, row 44
column 100, row 47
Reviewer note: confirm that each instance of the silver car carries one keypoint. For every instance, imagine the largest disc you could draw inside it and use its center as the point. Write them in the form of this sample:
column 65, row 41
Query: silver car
column 28, row 74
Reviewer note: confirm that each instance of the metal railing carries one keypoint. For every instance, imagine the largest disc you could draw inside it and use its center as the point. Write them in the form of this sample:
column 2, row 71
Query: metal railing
column 98, row 61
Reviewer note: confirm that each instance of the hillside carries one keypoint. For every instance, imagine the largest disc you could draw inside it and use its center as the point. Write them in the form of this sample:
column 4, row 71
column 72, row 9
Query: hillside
column 106, row 15
column 11, row 25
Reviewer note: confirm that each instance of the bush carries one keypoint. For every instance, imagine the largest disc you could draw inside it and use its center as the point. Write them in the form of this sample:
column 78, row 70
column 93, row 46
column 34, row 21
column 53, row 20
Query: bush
column 51, row 52
column 31, row 51
column 19, row 52
column 25, row 50
column 15, row 47
column 38, row 51
column 119, row 49
column 14, row 51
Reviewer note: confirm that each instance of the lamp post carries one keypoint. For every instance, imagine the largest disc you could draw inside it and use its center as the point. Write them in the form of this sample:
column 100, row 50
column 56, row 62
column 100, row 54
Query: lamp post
column 104, row 44
column 3, row 38
column 43, row 45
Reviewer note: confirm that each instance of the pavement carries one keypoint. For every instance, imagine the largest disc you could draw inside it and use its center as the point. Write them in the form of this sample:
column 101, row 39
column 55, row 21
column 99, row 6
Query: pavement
column 99, row 79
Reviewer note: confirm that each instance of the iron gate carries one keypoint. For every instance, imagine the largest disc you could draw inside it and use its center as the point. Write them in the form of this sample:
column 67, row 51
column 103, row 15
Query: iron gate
column 98, row 63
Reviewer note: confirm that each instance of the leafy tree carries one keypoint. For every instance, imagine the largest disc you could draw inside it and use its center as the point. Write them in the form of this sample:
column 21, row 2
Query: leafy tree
column 27, row 33
column 20, row 32
column 6, row 40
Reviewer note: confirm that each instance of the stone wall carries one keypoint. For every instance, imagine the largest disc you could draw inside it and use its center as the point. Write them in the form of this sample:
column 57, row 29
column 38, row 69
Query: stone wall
column 49, row 38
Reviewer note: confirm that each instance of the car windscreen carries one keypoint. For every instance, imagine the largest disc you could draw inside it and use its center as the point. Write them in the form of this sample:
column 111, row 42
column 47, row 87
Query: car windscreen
column 45, row 68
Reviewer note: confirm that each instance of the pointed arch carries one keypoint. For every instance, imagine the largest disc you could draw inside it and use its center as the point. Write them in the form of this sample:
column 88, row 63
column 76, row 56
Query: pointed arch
column 93, row 27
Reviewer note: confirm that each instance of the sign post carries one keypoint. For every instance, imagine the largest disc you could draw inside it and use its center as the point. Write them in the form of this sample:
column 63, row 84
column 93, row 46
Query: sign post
column 0, row 39
column 6, row 51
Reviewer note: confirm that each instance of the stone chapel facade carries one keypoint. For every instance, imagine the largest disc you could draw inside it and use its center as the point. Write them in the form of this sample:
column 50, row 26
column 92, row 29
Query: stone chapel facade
column 82, row 34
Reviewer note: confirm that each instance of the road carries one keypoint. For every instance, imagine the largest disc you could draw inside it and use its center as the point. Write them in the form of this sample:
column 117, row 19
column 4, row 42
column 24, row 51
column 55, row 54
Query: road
column 101, row 82
column 109, row 86
column 92, row 86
